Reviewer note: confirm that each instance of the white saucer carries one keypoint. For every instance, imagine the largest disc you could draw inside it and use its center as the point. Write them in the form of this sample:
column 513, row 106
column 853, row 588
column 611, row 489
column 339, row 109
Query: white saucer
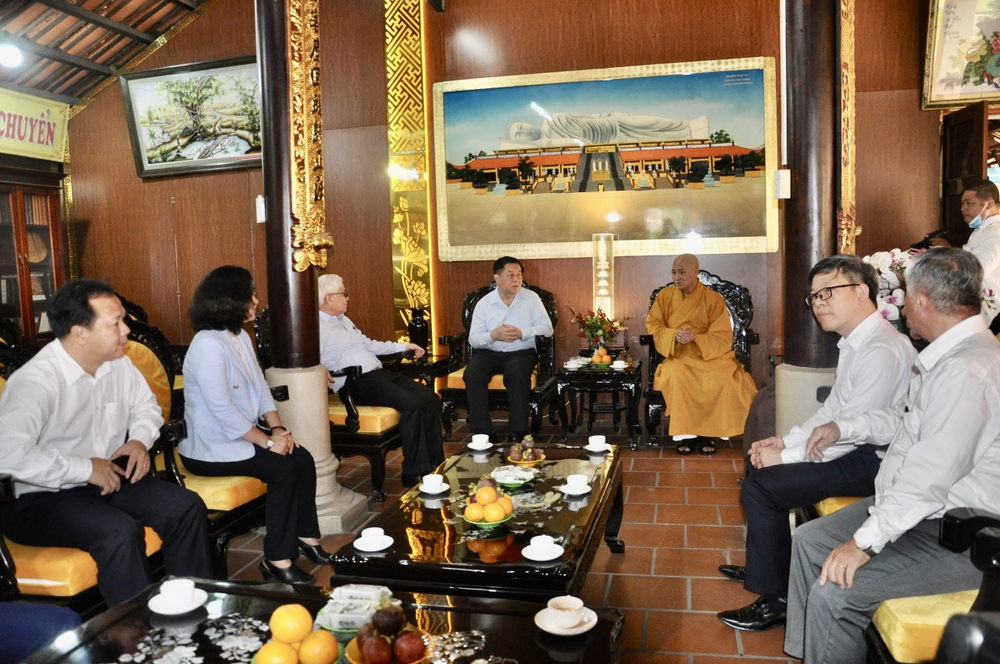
column 570, row 368
column 544, row 555
column 565, row 488
column 586, row 623
column 369, row 547
column 163, row 606
column 480, row 447
column 597, row 450
column 441, row 489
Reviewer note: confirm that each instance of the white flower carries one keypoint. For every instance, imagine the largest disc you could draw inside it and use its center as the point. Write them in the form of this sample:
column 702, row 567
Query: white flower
column 897, row 297
column 880, row 260
column 888, row 311
column 891, row 279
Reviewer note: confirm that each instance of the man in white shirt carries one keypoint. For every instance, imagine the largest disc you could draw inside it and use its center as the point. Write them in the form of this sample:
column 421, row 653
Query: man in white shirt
column 78, row 421
column 343, row 345
column 944, row 452
column 505, row 324
column 981, row 211
column 873, row 371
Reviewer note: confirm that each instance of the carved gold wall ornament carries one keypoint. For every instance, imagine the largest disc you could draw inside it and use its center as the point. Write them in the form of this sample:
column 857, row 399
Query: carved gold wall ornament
column 847, row 228
column 309, row 237
column 407, row 163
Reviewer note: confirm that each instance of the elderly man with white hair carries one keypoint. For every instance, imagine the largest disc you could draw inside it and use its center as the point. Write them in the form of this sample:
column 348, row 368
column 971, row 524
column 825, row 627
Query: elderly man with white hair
column 342, row 345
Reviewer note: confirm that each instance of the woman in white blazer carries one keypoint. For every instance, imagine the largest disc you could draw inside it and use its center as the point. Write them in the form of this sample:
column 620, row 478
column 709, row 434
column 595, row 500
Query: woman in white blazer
column 225, row 396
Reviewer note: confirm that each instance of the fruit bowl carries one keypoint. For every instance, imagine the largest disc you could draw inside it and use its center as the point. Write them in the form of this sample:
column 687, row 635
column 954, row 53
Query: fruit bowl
column 527, row 463
column 485, row 525
column 352, row 652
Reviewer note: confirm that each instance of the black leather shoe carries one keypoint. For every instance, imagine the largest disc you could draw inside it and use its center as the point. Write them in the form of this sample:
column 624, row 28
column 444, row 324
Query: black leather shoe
column 756, row 617
column 734, row 572
column 315, row 553
column 293, row 575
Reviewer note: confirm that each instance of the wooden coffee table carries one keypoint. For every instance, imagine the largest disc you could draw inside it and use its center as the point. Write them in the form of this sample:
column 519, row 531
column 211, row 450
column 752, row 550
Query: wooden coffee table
column 436, row 550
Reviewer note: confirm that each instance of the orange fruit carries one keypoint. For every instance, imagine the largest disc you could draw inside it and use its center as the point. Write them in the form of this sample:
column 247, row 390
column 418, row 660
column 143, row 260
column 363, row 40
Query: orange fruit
column 319, row 647
column 276, row 652
column 495, row 548
column 475, row 545
column 485, row 557
column 486, row 495
column 602, row 352
column 290, row 623
column 474, row 512
column 507, row 503
column 494, row 512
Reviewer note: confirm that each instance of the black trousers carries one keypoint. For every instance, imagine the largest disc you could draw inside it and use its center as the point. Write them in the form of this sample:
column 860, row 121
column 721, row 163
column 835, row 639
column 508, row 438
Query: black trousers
column 290, row 509
column 516, row 368
column 419, row 416
column 110, row 529
column 769, row 493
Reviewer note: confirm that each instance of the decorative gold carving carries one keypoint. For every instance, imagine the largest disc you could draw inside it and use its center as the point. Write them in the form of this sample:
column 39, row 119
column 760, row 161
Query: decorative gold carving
column 309, row 237
column 847, row 228
column 407, row 158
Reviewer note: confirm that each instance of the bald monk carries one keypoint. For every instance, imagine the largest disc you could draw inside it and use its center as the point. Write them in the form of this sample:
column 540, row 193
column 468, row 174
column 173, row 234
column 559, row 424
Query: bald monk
column 707, row 392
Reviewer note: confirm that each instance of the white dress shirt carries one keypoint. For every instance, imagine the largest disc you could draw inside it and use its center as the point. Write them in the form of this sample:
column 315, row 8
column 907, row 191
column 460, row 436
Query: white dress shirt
column 945, row 436
column 873, row 372
column 526, row 312
column 55, row 418
column 984, row 244
column 342, row 345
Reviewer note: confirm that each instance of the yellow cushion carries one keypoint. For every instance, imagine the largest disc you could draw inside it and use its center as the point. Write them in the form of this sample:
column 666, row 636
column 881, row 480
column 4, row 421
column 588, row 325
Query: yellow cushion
column 456, row 380
column 3, row 384
column 57, row 571
column 912, row 626
column 219, row 493
column 834, row 503
column 179, row 382
column 372, row 419
column 152, row 370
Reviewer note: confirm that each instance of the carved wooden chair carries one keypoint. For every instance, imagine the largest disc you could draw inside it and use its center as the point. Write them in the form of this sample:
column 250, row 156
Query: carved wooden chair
column 454, row 396
column 740, row 306
column 368, row 431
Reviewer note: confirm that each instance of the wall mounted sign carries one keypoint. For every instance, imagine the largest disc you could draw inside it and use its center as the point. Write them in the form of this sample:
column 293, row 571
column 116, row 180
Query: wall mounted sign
column 32, row 126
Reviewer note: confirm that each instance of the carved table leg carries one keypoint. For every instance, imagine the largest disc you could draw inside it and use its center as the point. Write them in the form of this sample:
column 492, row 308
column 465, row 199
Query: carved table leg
column 614, row 522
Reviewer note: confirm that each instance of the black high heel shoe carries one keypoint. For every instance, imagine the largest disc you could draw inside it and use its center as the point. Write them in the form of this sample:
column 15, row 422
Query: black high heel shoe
column 293, row 575
column 315, row 553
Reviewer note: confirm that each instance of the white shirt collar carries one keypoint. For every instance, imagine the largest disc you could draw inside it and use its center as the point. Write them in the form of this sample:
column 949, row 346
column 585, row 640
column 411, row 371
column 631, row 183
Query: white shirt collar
column 861, row 331
column 70, row 368
column 930, row 356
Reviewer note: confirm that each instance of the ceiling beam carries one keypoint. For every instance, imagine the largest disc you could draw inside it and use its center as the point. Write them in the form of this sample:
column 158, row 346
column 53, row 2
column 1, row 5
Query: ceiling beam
column 57, row 55
column 76, row 11
column 35, row 92
column 187, row 4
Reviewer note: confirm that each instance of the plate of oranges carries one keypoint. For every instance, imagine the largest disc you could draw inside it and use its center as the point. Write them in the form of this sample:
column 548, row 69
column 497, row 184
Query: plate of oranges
column 600, row 359
column 487, row 506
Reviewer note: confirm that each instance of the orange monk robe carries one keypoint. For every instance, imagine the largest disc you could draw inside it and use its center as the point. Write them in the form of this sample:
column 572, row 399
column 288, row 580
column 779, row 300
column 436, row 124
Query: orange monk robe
column 706, row 390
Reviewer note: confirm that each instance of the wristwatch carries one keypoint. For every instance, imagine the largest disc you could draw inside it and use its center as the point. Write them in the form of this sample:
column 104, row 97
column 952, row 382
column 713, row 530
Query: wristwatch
column 270, row 443
column 870, row 552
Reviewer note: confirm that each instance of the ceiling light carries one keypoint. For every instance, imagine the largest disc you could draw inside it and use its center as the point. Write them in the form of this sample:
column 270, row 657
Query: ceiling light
column 10, row 55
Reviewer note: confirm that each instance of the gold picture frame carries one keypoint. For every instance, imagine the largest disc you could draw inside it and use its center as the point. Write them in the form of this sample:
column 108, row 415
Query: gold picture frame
column 596, row 151
column 962, row 61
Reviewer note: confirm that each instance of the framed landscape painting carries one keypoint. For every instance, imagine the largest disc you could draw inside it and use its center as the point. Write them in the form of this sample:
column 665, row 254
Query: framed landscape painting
column 670, row 158
column 962, row 64
column 194, row 118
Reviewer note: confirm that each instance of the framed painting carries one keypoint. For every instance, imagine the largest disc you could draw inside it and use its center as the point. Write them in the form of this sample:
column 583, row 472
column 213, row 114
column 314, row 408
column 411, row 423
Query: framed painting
column 962, row 63
column 194, row 118
column 670, row 158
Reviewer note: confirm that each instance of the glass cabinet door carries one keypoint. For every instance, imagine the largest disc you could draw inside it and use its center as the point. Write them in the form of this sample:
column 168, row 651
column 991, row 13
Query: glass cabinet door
column 10, row 299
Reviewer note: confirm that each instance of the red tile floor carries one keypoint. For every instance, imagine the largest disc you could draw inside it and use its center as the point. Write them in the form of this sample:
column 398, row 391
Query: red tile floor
column 682, row 520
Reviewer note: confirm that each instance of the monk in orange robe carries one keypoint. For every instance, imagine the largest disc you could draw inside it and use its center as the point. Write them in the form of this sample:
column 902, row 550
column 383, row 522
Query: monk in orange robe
column 706, row 390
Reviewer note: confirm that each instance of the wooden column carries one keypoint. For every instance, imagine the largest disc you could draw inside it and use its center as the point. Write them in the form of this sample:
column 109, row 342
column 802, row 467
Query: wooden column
column 813, row 65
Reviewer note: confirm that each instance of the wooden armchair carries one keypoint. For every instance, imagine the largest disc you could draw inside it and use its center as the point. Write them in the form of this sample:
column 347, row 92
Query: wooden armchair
column 453, row 395
column 910, row 629
column 368, row 431
column 740, row 306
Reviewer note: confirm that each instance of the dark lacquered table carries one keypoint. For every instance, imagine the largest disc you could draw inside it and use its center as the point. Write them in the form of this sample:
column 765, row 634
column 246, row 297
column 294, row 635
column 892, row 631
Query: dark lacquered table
column 436, row 549
column 588, row 379
column 233, row 623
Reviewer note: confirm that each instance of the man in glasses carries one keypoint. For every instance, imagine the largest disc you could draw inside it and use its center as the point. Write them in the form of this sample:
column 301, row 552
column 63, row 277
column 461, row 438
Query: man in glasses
column 943, row 452
column 873, row 372
column 343, row 345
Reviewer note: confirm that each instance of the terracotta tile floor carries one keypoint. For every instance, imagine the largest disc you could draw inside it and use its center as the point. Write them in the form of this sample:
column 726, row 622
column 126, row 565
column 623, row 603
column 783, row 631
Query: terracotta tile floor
column 682, row 520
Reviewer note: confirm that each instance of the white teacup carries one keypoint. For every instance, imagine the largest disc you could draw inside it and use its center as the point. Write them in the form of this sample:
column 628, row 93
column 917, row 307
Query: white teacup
column 577, row 482
column 542, row 542
column 597, row 442
column 618, row 364
column 177, row 592
column 565, row 611
column 572, row 364
column 372, row 534
column 481, row 438
column 433, row 481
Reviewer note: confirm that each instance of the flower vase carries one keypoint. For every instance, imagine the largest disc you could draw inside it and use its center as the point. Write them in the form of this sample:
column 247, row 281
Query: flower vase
column 417, row 328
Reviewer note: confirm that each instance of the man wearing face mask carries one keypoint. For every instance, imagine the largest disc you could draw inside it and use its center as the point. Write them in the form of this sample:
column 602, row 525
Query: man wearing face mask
column 981, row 211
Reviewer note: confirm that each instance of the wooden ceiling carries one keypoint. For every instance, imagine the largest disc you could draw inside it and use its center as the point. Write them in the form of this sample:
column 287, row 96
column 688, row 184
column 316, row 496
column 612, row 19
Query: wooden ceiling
column 71, row 47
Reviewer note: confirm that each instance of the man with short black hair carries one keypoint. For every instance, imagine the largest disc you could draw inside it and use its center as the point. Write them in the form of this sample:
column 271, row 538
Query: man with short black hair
column 78, row 421
column 981, row 211
column 505, row 324
column 873, row 371
column 944, row 452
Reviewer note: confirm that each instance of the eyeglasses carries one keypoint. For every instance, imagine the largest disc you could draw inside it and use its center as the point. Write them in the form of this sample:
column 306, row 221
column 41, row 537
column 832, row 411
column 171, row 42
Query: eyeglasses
column 824, row 294
column 345, row 294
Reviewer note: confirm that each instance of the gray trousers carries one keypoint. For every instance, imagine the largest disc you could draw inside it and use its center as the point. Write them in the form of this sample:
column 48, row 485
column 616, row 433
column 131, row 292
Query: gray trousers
column 826, row 624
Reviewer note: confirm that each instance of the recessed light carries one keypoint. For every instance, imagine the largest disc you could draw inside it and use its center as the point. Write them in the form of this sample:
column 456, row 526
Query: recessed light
column 10, row 56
